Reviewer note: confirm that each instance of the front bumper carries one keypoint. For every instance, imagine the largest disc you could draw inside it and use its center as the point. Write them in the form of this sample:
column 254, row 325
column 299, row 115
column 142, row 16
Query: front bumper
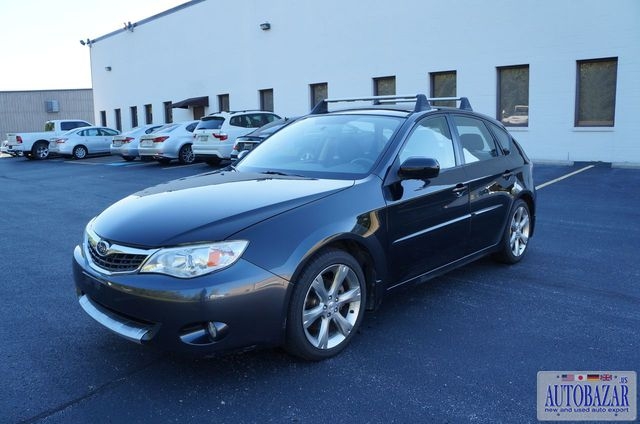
column 245, row 303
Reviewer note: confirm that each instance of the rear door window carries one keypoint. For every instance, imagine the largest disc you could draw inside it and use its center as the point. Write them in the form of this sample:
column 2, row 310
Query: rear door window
column 475, row 139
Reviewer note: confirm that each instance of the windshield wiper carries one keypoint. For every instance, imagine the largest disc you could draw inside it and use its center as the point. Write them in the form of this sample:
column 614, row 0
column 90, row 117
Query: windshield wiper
column 282, row 173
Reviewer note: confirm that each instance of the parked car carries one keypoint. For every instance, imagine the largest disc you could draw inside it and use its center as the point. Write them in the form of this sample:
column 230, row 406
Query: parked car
column 519, row 117
column 36, row 145
column 83, row 141
column 172, row 142
column 248, row 142
column 215, row 135
column 126, row 144
column 292, row 244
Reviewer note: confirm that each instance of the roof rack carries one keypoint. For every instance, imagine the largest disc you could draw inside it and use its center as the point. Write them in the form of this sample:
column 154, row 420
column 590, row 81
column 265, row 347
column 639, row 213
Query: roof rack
column 464, row 101
column 422, row 103
column 419, row 99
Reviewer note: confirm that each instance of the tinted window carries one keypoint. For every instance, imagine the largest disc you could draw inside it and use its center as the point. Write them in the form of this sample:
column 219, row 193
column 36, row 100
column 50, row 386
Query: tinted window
column 66, row 126
column 503, row 137
column 240, row 121
column 210, row 123
column 475, row 138
column 191, row 126
column 431, row 138
column 107, row 131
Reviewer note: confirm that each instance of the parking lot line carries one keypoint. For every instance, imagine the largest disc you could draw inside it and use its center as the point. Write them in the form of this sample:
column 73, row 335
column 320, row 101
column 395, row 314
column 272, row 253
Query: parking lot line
column 571, row 174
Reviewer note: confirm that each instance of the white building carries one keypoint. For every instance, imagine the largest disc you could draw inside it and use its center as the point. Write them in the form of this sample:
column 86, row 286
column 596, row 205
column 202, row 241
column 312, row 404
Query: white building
column 565, row 75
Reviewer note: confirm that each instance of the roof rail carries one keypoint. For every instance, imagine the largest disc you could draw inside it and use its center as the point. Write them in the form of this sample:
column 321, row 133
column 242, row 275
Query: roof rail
column 420, row 99
column 464, row 101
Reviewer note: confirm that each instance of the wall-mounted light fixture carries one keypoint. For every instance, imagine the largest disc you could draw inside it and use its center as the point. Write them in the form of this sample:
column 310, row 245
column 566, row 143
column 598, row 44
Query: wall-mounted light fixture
column 86, row 42
column 107, row 68
column 265, row 26
column 128, row 26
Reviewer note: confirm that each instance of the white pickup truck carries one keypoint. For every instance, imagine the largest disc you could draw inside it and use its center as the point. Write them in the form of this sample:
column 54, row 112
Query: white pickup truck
column 35, row 145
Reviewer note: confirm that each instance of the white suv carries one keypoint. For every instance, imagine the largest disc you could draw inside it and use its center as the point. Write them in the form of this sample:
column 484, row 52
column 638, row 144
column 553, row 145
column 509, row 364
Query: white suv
column 215, row 135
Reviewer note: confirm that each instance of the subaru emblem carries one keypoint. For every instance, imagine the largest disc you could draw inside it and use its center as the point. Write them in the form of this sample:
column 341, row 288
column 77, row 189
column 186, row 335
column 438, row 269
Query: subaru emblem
column 102, row 247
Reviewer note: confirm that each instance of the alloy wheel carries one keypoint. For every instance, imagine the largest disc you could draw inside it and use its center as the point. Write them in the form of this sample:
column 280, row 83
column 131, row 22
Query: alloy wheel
column 331, row 306
column 520, row 231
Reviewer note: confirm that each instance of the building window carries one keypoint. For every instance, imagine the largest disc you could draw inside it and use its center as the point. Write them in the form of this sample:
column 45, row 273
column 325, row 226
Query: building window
column 134, row 116
column 103, row 118
column 596, row 92
column 443, row 84
column 385, row 86
column 198, row 112
column 168, row 112
column 266, row 99
column 148, row 114
column 118, row 119
column 223, row 102
column 513, row 95
column 318, row 92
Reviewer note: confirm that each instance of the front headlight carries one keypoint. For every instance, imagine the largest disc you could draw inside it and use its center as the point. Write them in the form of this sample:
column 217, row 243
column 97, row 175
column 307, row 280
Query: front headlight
column 195, row 260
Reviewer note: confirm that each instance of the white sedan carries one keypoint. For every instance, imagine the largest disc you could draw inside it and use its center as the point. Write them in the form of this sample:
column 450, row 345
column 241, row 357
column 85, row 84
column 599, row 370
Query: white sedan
column 126, row 144
column 173, row 141
column 83, row 141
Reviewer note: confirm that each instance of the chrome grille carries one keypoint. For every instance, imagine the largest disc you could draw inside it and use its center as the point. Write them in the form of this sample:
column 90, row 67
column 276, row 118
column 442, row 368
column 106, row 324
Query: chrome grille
column 116, row 261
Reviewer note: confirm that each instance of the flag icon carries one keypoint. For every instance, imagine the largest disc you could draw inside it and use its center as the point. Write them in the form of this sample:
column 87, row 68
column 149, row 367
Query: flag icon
column 567, row 377
column 580, row 377
column 605, row 377
column 593, row 377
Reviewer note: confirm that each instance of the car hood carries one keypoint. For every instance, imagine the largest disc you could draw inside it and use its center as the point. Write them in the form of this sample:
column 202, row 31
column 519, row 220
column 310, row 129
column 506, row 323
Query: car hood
column 206, row 207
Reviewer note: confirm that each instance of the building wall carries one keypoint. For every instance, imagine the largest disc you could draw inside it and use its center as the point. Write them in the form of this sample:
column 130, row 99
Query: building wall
column 214, row 47
column 25, row 111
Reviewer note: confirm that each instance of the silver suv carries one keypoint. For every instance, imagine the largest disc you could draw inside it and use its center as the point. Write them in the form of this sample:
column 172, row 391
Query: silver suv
column 215, row 135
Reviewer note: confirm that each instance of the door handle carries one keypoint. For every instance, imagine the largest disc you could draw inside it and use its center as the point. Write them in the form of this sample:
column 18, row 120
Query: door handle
column 459, row 189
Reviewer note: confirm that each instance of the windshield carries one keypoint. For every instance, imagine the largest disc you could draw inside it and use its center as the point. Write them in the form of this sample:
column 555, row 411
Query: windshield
column 324, row 146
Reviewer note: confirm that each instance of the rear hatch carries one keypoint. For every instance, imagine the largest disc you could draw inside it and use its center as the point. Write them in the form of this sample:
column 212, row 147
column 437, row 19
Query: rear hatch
column 209, row 129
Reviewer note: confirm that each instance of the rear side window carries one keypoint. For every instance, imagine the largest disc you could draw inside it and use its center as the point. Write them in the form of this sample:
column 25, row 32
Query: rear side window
column 108, row 131
column 192, row 126
column 66, row 126
column 475, row 138
column 241, row 121
column 504, row 139
column 214, row 123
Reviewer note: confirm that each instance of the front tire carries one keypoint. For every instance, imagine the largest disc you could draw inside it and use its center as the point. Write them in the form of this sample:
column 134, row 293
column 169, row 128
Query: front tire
column 516, row 236
column 80, row 152
column 327, row 306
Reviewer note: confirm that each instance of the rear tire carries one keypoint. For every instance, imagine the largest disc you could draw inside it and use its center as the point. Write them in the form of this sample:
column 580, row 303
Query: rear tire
column 516, row 236
column 40, row 150
column 80, row 152
column 214, row 162
column 327, row 306
column 185, row 155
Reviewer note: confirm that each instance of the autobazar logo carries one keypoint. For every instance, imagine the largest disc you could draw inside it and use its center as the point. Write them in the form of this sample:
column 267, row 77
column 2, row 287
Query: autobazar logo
column 587, row 395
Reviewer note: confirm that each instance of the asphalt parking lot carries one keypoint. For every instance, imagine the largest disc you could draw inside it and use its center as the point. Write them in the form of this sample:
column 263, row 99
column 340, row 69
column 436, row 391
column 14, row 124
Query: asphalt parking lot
column 465, row 347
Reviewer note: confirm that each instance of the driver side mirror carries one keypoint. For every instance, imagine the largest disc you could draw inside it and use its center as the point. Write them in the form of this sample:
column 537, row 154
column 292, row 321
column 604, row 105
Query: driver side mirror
column 418, row 168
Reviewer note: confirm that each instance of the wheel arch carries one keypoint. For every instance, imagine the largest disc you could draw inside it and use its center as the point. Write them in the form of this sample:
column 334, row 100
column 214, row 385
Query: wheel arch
column 371, row 268
column 527, row 197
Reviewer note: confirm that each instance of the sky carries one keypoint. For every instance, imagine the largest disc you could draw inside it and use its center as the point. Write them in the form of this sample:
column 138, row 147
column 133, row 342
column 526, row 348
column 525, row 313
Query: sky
column 40, row 39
